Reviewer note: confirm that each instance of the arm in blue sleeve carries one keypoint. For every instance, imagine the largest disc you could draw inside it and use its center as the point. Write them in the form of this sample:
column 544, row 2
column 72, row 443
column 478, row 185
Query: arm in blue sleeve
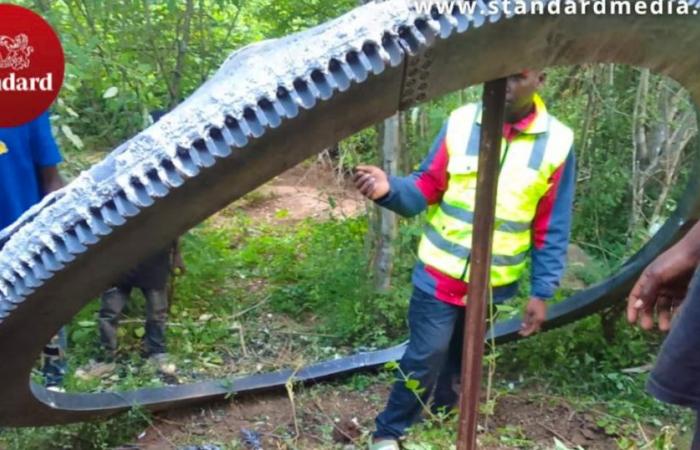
column 405, row 197
column 549, row 258
column 44, row 150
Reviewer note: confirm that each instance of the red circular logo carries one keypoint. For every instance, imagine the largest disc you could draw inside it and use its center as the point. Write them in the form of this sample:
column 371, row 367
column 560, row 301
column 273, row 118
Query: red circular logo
column 31, row 65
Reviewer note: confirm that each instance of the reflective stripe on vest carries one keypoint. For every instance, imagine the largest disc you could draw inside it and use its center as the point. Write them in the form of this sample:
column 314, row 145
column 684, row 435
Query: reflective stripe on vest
column 527, row 164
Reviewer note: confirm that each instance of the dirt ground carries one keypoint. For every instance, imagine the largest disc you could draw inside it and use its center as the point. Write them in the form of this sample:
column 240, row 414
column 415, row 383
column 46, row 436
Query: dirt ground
column 305, row 191
column 337, row 416
column 329, row 416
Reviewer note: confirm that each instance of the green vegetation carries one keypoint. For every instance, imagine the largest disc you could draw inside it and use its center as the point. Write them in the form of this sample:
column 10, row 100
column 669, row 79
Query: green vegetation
column 258, row 296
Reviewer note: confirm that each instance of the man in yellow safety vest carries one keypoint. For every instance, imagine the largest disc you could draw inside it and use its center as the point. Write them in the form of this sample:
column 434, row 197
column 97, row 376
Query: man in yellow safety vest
column 533, row 217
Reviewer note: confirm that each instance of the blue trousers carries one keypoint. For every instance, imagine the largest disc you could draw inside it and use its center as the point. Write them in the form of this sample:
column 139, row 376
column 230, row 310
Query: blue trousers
column 433, row 358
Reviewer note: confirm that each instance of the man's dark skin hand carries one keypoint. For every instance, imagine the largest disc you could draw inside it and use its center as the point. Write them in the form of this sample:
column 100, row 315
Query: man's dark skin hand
column 373, row 182
column 51, row 180
column 662, row 286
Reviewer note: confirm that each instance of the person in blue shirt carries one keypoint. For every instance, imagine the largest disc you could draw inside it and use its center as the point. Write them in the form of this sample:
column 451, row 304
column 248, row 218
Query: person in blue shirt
column 29, row 158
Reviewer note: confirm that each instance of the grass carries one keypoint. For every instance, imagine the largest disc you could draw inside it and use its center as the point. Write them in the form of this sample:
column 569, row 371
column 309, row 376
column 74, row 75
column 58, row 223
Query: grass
column 257, row 297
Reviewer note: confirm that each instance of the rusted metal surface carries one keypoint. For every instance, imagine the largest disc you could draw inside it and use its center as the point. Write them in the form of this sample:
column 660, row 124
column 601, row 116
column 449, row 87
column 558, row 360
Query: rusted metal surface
column 480, row 260
column 269, row 107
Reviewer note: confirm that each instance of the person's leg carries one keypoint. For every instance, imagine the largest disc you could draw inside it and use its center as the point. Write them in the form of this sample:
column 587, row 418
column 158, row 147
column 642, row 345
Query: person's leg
column 156, row 316
column 696, row 439
column 675, row 376
column 431, row 324
column 447, row 389
column 53, row 365
column 111, row 306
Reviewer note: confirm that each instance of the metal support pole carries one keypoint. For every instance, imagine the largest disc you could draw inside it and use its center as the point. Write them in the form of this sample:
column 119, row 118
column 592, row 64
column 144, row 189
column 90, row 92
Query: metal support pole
column 479, row 279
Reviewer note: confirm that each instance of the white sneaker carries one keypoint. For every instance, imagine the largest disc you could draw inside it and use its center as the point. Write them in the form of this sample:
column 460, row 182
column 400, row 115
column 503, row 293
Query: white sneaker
column 385, row 444
column 162, row 363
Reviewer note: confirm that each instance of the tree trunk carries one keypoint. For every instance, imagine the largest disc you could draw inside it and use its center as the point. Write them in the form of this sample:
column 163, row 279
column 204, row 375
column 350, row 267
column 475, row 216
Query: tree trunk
column 182, row 47
column 385, row 223
column 640, row 151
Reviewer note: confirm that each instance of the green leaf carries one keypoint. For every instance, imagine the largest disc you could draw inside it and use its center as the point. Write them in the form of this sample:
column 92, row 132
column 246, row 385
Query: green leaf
column 111, row 92
column 72, row 137
column 391, row 365
column 70, row 111
column 139, row 332
column 412, row 385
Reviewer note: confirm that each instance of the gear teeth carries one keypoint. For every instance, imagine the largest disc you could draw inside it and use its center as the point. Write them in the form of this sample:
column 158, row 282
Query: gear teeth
column 14, row 296
column 29, row 279
column 479, row 16
column 6, row 308
column 85, row 234
column 62, row 253
column 392, row 49
column 169, row 173
column 429, row 30
column 50, row 261
column 39, row 269
column 233, row 134
column 462, row 21
column 302, row 94
column 155, row 187
column 217, row 145
column 373, row 53
column 409, row 40
column 290, row 107
column 498, row 14
column 338, row 75
column 97, row 223
column 200, row 153
column 125, row 207
column 136, row 192
column 448, row 24
column 267, row 109
column 359, row 70
column 21, row 288
column 320, row 83
column 251, row 119
column 184, row 163
column 4, row 290
column 110, row 213
column 73, row 244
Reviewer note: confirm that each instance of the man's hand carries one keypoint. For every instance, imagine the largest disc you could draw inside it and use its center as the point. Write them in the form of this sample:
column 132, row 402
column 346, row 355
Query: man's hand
column 535, row 314
column 51, row 180
column 371, row 181
column 660, row 289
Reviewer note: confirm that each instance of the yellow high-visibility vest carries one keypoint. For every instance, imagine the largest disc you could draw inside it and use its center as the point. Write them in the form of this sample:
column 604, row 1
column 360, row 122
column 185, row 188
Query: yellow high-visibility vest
column 527, row 164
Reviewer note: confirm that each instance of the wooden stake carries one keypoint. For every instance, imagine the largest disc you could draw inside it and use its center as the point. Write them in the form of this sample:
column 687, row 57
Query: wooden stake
column 479, row 280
